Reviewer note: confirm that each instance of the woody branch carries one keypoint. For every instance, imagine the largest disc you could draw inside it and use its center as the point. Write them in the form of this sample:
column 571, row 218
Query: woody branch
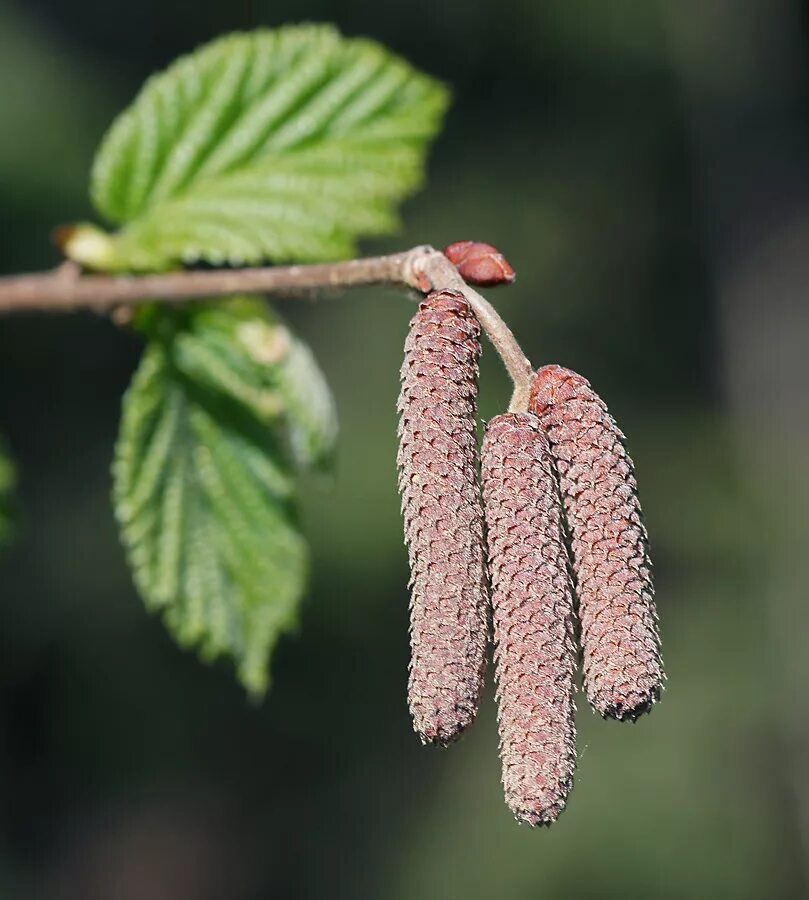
column 68, row 289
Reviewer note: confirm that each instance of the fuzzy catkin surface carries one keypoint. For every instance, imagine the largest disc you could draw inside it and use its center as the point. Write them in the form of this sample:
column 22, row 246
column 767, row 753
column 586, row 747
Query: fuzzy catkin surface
column 532, row 600
column 443, row 518
column 623, row 671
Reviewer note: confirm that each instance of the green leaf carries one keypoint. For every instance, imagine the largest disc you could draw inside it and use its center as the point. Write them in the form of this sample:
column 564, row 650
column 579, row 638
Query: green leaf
column 280, row 145
column 8, row 481
column 204, row 478
column 243, row 349
column 290, row 369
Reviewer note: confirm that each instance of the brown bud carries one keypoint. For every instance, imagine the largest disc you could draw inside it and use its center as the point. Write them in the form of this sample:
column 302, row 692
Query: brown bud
column 443, row 519
column 480, row 263
column 532, row 599
column 623, row 671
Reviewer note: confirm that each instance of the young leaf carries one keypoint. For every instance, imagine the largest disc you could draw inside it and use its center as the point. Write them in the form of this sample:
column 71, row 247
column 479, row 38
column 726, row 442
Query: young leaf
column 204, row 489
column 8, row 480
column 281, row 145
column 242, row 348
column 308, row 408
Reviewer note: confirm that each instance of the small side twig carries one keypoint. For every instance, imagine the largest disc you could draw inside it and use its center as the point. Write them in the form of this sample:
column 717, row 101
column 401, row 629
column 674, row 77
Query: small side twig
column 67, row 289
column 442, row 275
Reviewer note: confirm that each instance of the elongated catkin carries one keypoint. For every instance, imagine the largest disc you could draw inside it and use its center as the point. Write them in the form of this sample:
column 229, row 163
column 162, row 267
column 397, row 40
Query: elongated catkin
column 623, row 671
column 532, row 600
column 443, row 519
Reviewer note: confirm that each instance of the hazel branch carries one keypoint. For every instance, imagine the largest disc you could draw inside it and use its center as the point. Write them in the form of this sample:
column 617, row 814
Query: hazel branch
column 68, row 289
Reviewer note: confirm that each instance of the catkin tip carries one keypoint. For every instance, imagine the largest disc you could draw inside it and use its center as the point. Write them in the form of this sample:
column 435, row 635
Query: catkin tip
column 542, row 814
column 440, row 729
column 630, row 706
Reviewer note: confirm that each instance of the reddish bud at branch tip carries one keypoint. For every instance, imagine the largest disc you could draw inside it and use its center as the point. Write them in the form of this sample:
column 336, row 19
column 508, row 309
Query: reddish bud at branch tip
column 480, row 264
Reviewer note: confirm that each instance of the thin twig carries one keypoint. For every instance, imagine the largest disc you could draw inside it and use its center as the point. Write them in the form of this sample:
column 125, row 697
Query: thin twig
column 444, row 276
column 66, row 289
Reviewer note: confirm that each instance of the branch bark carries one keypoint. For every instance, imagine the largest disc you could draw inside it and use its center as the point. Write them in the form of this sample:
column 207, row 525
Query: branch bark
column 67, row 289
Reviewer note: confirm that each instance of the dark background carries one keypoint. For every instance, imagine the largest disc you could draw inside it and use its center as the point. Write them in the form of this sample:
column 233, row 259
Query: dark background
column 644, row 166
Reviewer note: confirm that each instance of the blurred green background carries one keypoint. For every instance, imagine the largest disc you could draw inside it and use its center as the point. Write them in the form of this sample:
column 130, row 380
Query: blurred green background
column 645, row 169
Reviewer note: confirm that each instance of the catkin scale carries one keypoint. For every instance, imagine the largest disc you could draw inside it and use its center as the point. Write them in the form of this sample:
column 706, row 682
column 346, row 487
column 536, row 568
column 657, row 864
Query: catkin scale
column 443, row 518
column 533, row 616
column 623, row 672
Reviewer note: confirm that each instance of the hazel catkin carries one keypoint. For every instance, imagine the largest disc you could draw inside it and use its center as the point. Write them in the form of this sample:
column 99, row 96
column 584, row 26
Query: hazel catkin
column 532, row 603
column 443, row 518
column 623, row 672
